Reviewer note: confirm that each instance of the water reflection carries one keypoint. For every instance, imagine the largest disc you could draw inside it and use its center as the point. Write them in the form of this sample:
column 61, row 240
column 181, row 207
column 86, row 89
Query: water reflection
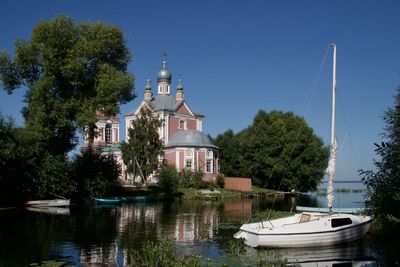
column 319, row 256
column 103, row 235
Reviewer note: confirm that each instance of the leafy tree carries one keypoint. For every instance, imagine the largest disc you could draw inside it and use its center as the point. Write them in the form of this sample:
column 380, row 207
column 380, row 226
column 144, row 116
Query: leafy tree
column 279, row 150
column 96, row 175
column 168, row 180
column 70, row 70
column 383, row 183
column 230, row 156
column 142, row 150
column 21, row 178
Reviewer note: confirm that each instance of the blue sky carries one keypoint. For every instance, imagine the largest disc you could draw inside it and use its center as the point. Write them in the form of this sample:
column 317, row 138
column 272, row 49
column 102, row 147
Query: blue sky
column 237, row 57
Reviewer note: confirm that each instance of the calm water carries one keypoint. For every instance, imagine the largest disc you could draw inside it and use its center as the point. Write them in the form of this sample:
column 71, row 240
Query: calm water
column 103, row 234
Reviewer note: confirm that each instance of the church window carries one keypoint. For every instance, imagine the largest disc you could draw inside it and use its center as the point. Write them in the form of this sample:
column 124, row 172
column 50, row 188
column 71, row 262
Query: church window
column 209, row 166
column 188, row 164
column 108, row 133
column 182, row 124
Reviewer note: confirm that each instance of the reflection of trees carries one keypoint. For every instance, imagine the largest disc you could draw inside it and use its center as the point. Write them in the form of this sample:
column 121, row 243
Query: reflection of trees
column 27, row 234
column 95, row 233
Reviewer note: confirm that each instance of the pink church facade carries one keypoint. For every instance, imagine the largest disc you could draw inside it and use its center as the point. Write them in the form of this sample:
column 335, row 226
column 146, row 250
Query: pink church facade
column 186, row 146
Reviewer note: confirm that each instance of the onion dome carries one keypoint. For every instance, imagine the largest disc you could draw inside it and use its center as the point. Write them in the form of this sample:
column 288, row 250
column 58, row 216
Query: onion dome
column 180, row 86
column 148, row 85
column 164, row 74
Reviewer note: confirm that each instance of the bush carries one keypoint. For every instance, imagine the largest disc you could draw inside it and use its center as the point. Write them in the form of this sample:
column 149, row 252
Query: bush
column 189, row 178
column 168, row 180
column 220, row 180
column 96, row 175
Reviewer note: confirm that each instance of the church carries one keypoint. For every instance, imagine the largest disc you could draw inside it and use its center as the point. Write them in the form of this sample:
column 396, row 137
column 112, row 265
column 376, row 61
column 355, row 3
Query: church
column 185, row 145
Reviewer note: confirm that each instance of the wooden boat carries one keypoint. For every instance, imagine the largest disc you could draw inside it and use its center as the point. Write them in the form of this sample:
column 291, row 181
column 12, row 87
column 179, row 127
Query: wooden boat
column 50, row 210
column 310, row 229
column 49, row 203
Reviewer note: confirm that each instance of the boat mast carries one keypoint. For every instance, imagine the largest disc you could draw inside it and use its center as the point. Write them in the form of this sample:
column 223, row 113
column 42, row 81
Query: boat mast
column 333, row 94
column 332, row 157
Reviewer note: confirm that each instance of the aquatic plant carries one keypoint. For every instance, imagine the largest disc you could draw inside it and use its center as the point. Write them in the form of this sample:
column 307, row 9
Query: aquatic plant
column 161, row 254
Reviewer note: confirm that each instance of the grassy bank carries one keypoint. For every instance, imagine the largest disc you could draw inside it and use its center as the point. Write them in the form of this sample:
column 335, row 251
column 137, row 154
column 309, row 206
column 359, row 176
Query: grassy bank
column 218, row 193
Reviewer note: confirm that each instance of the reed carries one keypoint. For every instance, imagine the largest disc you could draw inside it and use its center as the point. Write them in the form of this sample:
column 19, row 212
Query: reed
column 153, row 254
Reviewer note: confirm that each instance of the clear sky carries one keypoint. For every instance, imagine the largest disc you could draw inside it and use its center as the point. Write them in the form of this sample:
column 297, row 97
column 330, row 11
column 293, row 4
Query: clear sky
column 237, row 57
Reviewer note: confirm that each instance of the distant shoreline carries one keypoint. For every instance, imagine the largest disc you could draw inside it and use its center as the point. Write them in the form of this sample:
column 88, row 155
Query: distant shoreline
column 344, row 181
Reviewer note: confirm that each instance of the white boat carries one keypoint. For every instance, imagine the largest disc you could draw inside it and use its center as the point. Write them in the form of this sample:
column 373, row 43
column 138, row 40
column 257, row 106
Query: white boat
column 307, row 229
column 310, row 229
column 49, row 203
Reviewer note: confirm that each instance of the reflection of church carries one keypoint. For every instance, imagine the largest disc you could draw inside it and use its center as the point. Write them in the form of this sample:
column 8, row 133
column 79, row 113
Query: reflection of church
column 186, row 146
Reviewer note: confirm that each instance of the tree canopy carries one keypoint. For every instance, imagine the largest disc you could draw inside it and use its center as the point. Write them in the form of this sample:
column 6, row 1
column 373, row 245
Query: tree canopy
column 383, row 183
column 141, row 151
column 70, row 70
column 279, row 150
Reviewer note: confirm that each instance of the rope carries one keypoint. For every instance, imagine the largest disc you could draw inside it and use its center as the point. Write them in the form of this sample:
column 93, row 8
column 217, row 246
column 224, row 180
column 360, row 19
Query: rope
column 347, row 131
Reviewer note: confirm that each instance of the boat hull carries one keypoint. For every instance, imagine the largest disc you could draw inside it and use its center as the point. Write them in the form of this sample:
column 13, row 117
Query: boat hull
column 316, row 232
column 108, row 200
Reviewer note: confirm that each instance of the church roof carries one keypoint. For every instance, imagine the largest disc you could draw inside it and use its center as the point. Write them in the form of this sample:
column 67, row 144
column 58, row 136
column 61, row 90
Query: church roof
column 164, row 103
column 190, row 138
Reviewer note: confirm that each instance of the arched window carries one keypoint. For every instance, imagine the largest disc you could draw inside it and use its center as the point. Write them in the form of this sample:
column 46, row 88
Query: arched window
column 108, row 133
column 189, row 153
column 182, row 124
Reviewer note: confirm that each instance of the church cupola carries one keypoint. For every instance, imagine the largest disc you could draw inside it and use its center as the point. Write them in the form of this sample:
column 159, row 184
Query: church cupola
column 148, row 95
column 164, row 77
column 179, row 91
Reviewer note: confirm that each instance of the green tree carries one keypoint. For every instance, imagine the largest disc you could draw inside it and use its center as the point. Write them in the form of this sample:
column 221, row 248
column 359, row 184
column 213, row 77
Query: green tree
column 142, row 150
column 230, row 156
column 70, row 70
column 279, row 150
column 168, row 180
column 20, row 177
column 383, row 183
column 95, row 175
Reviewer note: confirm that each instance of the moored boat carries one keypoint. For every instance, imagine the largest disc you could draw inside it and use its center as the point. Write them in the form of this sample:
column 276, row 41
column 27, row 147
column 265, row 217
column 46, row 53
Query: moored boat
column 108, row 200
column 305, row 230
column 313, row 228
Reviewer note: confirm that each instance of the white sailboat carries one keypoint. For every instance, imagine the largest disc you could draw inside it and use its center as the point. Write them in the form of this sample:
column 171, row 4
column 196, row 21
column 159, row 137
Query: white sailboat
column 308, row 229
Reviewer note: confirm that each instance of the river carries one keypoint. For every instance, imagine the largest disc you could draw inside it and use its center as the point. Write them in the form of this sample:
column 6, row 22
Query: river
column 101, row 235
